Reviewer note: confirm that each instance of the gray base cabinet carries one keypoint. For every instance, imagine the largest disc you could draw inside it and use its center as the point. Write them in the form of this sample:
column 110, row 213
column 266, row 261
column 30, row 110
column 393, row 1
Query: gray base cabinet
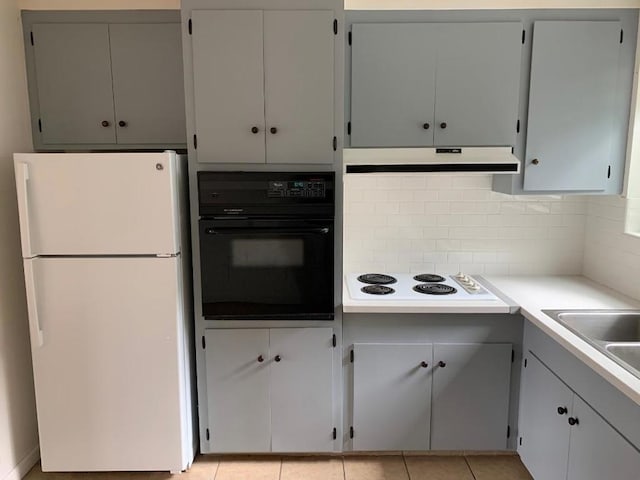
column 431, row 84
column 431, row 396
column 263, row 83
column 269, row 390
column 562, row 437
column 98, row 84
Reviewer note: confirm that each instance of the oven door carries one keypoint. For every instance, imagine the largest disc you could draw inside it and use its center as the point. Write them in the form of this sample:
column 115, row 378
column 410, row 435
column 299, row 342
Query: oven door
column 267, row 269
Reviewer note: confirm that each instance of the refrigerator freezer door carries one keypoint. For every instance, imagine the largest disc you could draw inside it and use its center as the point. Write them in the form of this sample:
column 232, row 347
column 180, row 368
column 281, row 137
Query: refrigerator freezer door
column 110, row 373
column 98, row 203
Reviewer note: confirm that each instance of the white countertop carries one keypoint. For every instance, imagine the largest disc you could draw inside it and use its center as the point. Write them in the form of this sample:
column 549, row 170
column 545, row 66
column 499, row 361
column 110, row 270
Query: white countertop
column 537, row 293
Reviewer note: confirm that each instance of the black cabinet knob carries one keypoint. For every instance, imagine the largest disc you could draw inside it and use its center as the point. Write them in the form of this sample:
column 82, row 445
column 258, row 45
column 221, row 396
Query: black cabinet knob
column 122, row 123
column 105, row 123
column 260, row 359
column 443, row 125
column 255, row 129
column 573, row 421
column 273, row 130
column 535, row 161
column 442, row 364
column 424, row 364
column 278, row 358
column 562, row 410
column 425, row 126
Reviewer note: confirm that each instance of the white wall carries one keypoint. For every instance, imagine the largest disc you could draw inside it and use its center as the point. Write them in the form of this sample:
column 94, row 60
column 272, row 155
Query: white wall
column 448, row 223
column 98, row 4
column 18, row 431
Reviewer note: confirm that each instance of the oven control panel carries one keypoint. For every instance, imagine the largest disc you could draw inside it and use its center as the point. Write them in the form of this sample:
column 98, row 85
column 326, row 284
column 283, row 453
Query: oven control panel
column 297, row 189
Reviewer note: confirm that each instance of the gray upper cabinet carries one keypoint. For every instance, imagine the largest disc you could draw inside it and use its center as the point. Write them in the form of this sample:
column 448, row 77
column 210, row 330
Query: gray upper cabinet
column 100, row 81
column 74, row 86
column 146, row 63
column 438, row 84
column 572, row 105
column 263, row 85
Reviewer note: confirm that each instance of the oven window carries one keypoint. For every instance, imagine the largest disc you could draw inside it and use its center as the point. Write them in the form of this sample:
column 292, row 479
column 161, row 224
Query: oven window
column 267, row 252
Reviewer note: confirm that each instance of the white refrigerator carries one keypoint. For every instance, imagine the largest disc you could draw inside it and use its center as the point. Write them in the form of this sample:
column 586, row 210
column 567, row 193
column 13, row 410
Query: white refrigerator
column 106, row 269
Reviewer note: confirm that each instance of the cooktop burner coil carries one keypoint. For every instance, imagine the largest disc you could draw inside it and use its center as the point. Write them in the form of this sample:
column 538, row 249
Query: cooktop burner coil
column 377, row 290
column 376, row 279
column 434, row 289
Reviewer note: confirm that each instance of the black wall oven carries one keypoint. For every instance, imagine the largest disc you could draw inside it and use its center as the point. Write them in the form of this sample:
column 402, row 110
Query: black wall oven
column 267, row 245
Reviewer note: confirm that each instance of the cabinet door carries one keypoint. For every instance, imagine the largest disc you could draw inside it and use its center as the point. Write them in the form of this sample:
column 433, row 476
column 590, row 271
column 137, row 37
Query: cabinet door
column 238, row 390
column 298, row 84
column 148, row 91
column 393, row 70
column 574, row 71
column 301, row 389
column 74, row 83
column 470, row 396
column 544, row 445
column 478, row 83
column 391, row 396
column 228, row 84
column 597, row 451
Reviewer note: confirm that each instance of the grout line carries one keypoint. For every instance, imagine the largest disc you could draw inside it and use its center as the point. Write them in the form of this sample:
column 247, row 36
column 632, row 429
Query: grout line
column 215, row 472
column 344, row 470
column 280, row 472
column 406, row 467
column 469, row 467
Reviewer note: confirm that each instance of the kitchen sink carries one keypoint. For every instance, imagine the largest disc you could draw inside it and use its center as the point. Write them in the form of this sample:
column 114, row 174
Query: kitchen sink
column 628, row 353
column 616, row 333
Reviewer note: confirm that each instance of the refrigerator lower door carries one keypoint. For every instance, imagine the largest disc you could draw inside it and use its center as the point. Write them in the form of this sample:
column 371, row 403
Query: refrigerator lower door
column 109, row 363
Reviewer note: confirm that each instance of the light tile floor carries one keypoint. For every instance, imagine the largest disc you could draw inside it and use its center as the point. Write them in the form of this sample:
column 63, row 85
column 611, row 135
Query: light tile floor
column 386, row 467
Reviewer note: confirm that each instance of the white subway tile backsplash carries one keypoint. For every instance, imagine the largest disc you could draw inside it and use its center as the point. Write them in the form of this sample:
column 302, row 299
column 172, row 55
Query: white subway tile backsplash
column 449, row 223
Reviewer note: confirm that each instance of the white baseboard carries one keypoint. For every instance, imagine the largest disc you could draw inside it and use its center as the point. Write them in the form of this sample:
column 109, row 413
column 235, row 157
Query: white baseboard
column 25, row 465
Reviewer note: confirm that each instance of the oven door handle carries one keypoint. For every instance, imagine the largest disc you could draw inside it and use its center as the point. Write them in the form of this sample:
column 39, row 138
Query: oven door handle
column 263, row 231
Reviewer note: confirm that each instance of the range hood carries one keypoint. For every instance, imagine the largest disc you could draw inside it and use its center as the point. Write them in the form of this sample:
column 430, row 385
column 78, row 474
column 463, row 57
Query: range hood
column 498, row 160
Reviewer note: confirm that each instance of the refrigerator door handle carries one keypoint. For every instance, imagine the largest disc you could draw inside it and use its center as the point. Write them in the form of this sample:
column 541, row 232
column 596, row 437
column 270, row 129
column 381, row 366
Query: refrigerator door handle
column 22, row 177
column 37, row 335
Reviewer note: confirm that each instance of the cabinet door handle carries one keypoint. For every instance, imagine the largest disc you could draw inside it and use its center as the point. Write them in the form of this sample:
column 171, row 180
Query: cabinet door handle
column 105, row 123
column 122, row 123
column 260, row 359
column 535, row 161
column 562, row 410
column 273, row 130
column 573, row 421
column 443, row 125
column 426, row 126
column 442, row 364
column 277, row 358
column 255, row 129
column 424, row 364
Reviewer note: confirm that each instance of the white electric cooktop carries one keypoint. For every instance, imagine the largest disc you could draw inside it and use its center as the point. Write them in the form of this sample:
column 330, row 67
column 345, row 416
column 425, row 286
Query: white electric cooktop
column 420, row 287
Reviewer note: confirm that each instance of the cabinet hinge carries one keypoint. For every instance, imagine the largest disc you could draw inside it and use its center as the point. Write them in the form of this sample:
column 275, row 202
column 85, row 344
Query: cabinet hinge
column 621, row 35
column 520, row 441
column 350, row 40
column 349, row 128
column 523, row 34
column 335, row 26
column 351, row 431
column 40, row 125
column 190, row 27
column 351, row 355
column 513, row 356
column 334, row 341
column 31, row 36
column 525, row 363
column 195, row 142
column 518, row 126
column 609, row 172
column 335, row 433
column 204, row 342
column 335, row 143
column 508, row 431
column 207, row 434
